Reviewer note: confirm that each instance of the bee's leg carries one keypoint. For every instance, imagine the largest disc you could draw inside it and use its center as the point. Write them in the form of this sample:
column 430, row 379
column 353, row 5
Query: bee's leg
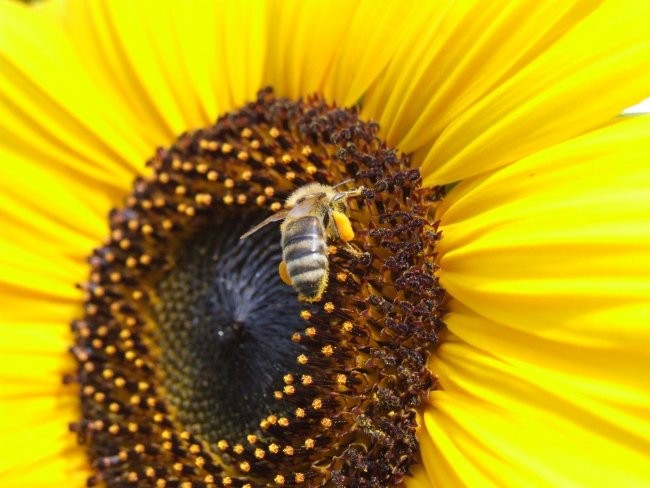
column 284, row 274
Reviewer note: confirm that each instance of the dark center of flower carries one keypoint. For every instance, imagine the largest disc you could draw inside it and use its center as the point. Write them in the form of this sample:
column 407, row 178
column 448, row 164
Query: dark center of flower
column 224, row 329
column 198, row 367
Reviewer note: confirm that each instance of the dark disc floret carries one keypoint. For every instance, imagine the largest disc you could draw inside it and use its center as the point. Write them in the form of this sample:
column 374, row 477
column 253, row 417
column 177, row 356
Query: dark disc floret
column 198, row 367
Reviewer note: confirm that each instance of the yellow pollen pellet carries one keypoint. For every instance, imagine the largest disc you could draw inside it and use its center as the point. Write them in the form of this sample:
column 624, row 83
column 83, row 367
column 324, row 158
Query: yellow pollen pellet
column 178, row 467
column 132, row 476
column 125, row 244
column 300, row 413
column 187, row 166
column 269, row 191
column 222, row 445
column 202, row 168
column 286, row 158
column 310, row 443
column 260, row 200
column 133, row 427
column 120, row 382
column 288, row 450
column 290, row 175
column 347, row 326
column 302, row 359
column 242, row 155
column 307, row 380
column 190, row 211
column 131, row 262
column 226, row 481
column 176, row 164
column 341, row 379
column 275, row 206
column 252, row 439
column 283, row 422
column 99, row 397
column 274, row 448
column 163, row 178
column 137, row 295
column 229, row 183
column 272, row 419
column 299, row 478
column 274, row 132
column 289, row 389
column 295, row 337
column 168, row 445
column 279, row 479
column 288, row 379
column 341, row 276
column 114, row 407
column 255, row 144
column 278, row 395
column 161, row 483
column 226, row 148
column 317, row 404
column 326, row 422
column 115, row 277
column 327, row 351
column 305, row 314
column 310, row 331
column 311, row 169
column 246, row 133
column 241, row 199
column 212, row 175
column 114, row 429
column 228, row 199
column 167, row 224
column 270, row 161
column 238, row 449
column 329, row 307
column 149, row 472
column 139, row 448
column 245, row 466
column 306, row 150
column 259, row 453
column 145, row 259
column 108, row 374
column 209, row 479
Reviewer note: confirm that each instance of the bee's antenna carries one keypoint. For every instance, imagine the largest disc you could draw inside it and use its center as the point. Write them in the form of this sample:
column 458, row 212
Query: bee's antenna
column 343, row 182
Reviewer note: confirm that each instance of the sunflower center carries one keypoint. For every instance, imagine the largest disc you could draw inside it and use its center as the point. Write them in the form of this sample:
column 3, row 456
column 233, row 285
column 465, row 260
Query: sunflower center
column 198, row 366
column 225, row 324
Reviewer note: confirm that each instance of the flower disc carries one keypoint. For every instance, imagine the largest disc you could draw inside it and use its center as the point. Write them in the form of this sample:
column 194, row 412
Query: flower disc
column 198, row 366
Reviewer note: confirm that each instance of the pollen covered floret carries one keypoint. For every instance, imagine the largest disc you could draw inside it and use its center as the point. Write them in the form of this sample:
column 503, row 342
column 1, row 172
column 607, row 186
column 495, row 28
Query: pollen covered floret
column 177, row 309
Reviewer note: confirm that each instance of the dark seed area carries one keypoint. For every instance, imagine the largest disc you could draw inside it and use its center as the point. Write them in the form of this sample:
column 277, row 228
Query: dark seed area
column 224, row 327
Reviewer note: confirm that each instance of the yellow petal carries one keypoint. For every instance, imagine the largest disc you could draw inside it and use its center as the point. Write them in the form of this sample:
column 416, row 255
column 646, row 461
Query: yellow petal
column 479, row 86
column 54, row 114
column 304, row 37
column 558, row 243
column 37, row 449
column 500, row 421
column 545, row 358
column 367, row 45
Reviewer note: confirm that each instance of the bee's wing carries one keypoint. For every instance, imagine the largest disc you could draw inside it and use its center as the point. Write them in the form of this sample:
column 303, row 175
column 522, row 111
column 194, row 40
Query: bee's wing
column 305, row 207
column 273, row 218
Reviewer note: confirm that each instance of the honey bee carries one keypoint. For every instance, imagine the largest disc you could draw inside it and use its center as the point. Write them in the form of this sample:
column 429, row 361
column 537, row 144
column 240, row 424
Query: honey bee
column 312, row 214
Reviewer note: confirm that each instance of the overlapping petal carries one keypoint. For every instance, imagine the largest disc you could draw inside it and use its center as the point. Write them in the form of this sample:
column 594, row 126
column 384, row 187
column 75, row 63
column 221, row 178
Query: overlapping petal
column 546, row 357
column 479, row 87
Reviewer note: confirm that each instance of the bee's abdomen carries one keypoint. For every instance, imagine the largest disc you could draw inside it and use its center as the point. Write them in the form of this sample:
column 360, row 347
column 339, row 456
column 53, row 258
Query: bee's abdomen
column 305, row 253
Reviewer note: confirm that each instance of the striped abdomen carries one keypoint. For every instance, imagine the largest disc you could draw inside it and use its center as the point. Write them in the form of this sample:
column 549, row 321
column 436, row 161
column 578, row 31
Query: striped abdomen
column 304, row 252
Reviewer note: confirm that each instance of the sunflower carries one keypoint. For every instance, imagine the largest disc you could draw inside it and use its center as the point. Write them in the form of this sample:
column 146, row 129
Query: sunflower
column 491, row 333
